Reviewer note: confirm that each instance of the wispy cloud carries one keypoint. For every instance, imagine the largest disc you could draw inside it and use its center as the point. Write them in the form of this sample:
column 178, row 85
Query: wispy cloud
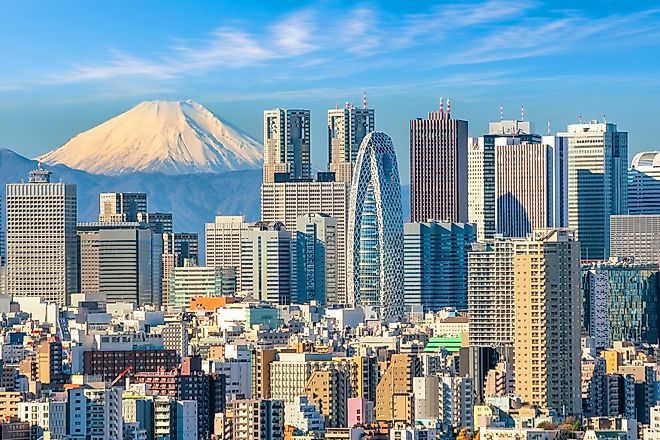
column 318, row 41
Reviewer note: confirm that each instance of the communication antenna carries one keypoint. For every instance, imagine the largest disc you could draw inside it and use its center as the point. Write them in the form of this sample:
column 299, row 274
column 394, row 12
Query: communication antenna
column 522, row 112
column 448, row 106
column 548, row 127
column 501, row 112
column 442, row 110
column 580, row 119
column 604, row 119
column 364, row 100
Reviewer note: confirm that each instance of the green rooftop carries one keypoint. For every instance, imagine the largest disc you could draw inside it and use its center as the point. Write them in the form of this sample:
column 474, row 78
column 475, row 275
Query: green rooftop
column 452, row 344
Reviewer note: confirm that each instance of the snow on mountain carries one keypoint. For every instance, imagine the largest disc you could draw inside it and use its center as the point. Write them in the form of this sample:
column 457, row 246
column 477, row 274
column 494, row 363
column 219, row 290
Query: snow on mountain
column 169, row 137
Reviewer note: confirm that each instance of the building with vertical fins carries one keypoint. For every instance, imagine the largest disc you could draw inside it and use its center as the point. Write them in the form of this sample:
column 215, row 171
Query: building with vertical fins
column 121, row 207
column 42, row 257
column 644, row 184
column 286, row 144
column 375, row 230
column 439, row 168
column 316, row 258
column 597, row 183
column 346, row 128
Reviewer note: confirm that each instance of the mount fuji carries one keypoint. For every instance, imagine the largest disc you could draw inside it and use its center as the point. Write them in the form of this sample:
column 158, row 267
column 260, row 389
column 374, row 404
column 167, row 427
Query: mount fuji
column 167, row 137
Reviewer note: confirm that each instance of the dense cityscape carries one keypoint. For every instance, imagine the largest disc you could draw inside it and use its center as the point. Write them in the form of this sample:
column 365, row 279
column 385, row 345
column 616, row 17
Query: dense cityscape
column 521, row 301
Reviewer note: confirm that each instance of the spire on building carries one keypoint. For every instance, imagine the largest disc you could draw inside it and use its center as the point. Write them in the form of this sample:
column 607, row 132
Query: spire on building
column 448, row 106
column 442, row 109
column 364, row 100
column 522, row 112
column 501, row 112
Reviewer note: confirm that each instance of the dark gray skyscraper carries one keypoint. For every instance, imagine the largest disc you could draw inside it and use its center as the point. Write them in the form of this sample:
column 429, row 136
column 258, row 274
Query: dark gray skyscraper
column 438, row 167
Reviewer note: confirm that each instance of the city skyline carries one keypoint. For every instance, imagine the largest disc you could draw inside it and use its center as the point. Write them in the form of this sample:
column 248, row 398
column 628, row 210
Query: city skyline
column 239, row 65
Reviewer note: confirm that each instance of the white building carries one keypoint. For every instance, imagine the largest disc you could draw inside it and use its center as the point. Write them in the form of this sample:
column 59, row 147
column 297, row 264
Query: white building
column 456, row 401
column 223, row 242
column 95, row 411
column 208, row 281
column 303, row 415
column 44, row 416
column 41, row 238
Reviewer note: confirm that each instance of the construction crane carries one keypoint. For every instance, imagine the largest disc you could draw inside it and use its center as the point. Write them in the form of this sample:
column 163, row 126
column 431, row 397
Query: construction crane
column 121, row 375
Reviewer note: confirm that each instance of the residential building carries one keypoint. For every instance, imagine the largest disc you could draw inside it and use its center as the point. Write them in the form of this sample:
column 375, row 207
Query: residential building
column 547, row 316
column 286, row 144
column 435, row 269
column 42, row 257
column 456, row 401
column 394, row 394
column 375, row 230
column 258, row 419
column 303, row 415
column 316, row 258
column 597, row 183
column 439, row 168
column 347, row 127
column 109, row 364
column 426, row 392
column 329, row 390
column 94, row 411
column 48, row 415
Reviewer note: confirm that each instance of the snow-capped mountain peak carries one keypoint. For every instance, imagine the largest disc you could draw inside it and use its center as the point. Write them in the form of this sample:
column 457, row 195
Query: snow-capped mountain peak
column 170, row 137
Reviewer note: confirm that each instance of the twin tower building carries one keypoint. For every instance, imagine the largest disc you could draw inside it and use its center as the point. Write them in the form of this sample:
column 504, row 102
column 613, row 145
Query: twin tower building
column 361, row 190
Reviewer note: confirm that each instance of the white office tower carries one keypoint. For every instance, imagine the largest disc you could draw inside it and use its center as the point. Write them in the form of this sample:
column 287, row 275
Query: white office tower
column 223, row 242
column 597, row 183
column 266, row 259
column 95, row 411
column 490, row 293
column 346, row 128
column 286, row 145
column 644, row 184
column 531, row 182
column 375, row 230
column 286, row 202
column 121, row 207
column 121, row 261
column 42, row 255
column 316, row 258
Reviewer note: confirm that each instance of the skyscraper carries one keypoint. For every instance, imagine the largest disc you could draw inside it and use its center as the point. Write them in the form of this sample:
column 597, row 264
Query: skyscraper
column 438, row 168
column 435, row 264
column 121, row 207
column 530, row 185
column 122, row 261
column 346, row 128
column 286, row 144
column 481, row 171
column 285, row 202
column 547, row 315
column 266, row 263
column 375, row 229
column 644, row 184
column 223, row 242
column 316, row 258
column 597, row 183
column 42, row 255
column 635, row 237
column 186, row 247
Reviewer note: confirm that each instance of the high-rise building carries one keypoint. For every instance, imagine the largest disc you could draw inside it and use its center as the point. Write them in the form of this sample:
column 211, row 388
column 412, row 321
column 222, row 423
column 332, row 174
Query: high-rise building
column 490, row 293
column 439, row 168
column 258, row 419
column 635, row 237
column 316, row 258
column 2, row 234
column 644, row 184
column 375, row 230
column 121, row 207
column 223, row 242
column 481, row 171
column 347, row 127
column 186, row 247
column 159, row 222
column 547, row 301
column 435, row 264
column 597, row 183
column 286, row 145
column 122, row 261
column 329, row 391
column 621, row 302
column 266, row 261
column 207, row 281
column 94, row 410
column 42, row 257
column 530, row 185
column 285, row 202
column 456, row 401
column 394, row 393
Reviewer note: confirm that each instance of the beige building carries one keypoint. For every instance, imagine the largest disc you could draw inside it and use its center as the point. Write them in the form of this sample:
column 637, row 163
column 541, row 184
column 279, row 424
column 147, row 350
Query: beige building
column 547, row 315
column 223, row 242
column 394, row 394
column 286, row 144
column 346, row 128
column 9, row 401
column 329, row 391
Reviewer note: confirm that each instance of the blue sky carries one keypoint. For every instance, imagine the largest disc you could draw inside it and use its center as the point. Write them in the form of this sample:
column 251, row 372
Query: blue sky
column 66, row 66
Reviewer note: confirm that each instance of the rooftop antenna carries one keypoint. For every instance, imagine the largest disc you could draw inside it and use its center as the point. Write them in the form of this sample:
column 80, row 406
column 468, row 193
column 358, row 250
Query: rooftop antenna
column 347, row 105
column 580, row 119
column 548, row 127
column 501, row 112
column 448, row 106
column 522, row 112
column 336, row 105
column 442, row 109
column 364, row 100
column 604, row 119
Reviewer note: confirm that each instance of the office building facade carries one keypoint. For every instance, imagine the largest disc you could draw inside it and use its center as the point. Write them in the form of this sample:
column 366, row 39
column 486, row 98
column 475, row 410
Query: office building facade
column 635, row 237
column 317, row 274
column 347, row 127
column 438, row 168
column 121, row 207
column 375, row 230
column 644, row 184
column 42, row 257
column 286, row 144
column 223, row 242
column 207, row 281
column 435, row 273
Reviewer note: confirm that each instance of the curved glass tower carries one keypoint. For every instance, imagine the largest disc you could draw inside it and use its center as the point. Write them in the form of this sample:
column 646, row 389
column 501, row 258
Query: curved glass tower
column 375, row 230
